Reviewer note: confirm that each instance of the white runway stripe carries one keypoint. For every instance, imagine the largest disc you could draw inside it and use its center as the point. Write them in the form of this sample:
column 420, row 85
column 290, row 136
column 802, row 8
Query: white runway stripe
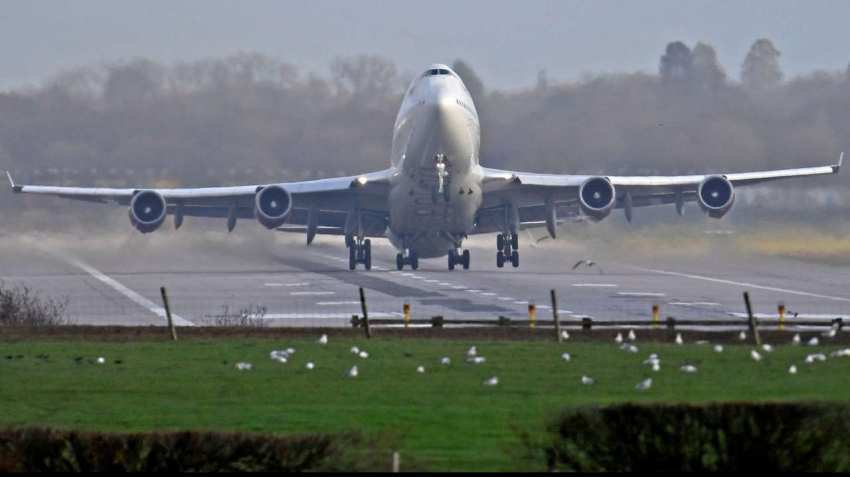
column 273, row 284
column 306, row 293
column 327, row 316
column 337, row 303
column 601, row 285
column 641, row 294
column 300, row 284
column 133, row 296
column 694, row 303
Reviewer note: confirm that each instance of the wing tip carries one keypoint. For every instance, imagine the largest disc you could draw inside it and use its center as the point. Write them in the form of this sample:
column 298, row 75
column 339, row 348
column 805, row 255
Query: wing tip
column 837, row 167
column 15, row 187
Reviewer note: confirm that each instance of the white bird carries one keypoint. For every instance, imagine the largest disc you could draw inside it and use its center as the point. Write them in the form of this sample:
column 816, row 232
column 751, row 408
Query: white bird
column 840, row 353
column 477, row 360
column 688, row 368
column 355, row 350
column 586, row 380
column 742, row 335
column 280, row 356
column 656, row 366
column 632, row 336
column 364, row 354
column 352, row 373
column 566, row 356
column 814, row 341
column 767, row 348
column 565, row 335
column 644, row 385
column 445, row 360
column 323, row 340
column 652, row 358
column 472, row 351
column 815, row 357
column 619, row 338
column 755, row 354
column 243, row 366
column 101, row 360
column 796, row 339
column 792, row 369
column 631, row 348
column 290, row 350
column 718, row 348
column 679, row 338
column 492, row 381
column 830, row 333
column 420, row 369
column 310, row 365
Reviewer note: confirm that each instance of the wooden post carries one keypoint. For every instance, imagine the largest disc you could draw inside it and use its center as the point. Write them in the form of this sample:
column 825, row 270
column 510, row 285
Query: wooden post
column 365, row 314
column 656, row 315
column 168, row 313
column 780, row 310
column 671, row 326
column 752, row 320
column 396, row 462
column 555, row 315
column 532, row 315
column 405, row 309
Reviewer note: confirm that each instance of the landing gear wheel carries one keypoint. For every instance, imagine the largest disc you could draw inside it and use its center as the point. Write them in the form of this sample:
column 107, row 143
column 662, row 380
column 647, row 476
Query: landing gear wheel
column 399, row 261
column 500, row 259
column 465, row 259
column 414, row 260
column 367, row 254
column 451, row 259
column 515, row 259
column 349, row 241
column 500, row 242
column 352, row 257
column 515, row 241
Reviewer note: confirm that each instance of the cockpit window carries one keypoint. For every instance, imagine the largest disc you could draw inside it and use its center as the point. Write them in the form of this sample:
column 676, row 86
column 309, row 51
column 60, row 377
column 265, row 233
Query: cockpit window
column 437, row 72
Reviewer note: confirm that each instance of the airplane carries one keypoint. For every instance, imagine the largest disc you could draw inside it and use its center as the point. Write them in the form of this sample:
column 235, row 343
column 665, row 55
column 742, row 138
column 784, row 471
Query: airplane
column 435, row 193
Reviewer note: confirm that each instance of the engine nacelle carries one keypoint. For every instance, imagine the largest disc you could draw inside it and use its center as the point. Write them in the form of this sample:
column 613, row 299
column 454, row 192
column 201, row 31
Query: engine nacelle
column 147, row 211
column 716, row 196
column 272, row 205
column 597, row 197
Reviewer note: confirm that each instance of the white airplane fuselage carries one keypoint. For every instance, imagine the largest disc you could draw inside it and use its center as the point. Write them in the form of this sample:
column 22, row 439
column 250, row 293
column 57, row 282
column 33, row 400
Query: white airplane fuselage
column 436, row 140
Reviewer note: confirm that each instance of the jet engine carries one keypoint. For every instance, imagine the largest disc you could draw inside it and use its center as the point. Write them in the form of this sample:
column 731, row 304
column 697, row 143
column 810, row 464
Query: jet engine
column 596, row 197
column 716, row 196
column 271, row 206
column 147, row 211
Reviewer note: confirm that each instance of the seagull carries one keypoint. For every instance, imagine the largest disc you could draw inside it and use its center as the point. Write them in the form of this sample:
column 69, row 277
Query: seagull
column 589, row 263
column 290, row 350
column 644, row 385
column 840, row 353
column 619, row 338
column 815, row 357
column 492, row 381
column 586, row 380
column 445, row 360
column 632, row 336
column 755, row 354
column 355, row 350
column 323, row 340
column 688, row 368
column 565, row 335
column 652, row 357
column 243, row 366
column 831, row 333
column 718, row 348
column 565, row 356
column 101, row 360
column 796, row 339
column 742, row 336
column 364, row 354
column 310, row 365
column 767, row 348
column 814, row 341
column 656, row 366
column 630, row 348
column 420, row 369
column 679, row 338
column 476, row 360
column 352, row 373
column 472, row 351
column 792, row 369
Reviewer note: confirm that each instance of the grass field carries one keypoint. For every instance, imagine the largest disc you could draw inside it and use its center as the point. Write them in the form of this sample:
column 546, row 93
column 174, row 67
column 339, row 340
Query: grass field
column 444, row 418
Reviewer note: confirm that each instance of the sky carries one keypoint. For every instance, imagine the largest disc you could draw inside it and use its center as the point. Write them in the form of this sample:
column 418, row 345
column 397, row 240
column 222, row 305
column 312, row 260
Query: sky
column 506, row 41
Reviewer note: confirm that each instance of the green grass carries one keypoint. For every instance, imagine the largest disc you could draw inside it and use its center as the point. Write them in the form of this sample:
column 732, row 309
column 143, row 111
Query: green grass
column 445, row 418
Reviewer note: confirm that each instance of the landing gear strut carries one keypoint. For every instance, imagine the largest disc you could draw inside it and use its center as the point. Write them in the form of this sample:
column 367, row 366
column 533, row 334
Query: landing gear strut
column 359, row 251
column 458, row 258
column 411, row 259
column 508, row 249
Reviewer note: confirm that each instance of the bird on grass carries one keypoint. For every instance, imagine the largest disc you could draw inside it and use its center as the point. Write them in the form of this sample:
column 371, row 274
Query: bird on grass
column 492, row 381
column 679, row 338
column 472, row 351
column 420, row 369
column 814, row 341
column 323, row 340
column 688, row 368
column 644, row 385
column 815, row 357
column 656, row 366
column 742, row 335
column 352, row 373
column 619, row 338
column 364, row 354
column 755, row 355
column 586, row 380
column 310, row 365
column 792, row 369
column 243, row 366
column 101, row 360
column 796, row 339
column 355, row 350
column 630, row 348
column 445, row 360
column 767, row 348
column 566, row 356
column 718, row 348
column 632, row 335
column 476, row 360
column 565, row 335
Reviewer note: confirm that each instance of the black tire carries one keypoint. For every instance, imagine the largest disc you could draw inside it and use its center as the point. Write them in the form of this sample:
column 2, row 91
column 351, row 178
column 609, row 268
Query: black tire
column 399, row 261
column 515, row 241
column 352, row 258
column 414, row 260
column 515, row 259
column 367, row 254
column 451, row 260
column 500, row 242
column 349, row 241
column 500, row 259
column 466, row 259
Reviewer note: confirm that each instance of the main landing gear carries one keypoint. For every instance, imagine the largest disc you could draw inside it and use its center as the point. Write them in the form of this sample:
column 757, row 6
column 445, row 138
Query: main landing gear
column 411, row 259
column 359, row 251
column 507, row 246
column 456, row 258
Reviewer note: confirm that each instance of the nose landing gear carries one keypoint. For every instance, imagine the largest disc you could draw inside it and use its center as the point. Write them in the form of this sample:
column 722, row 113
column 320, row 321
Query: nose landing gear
column 508, row 249
column 458, row 258
column 359, row 251
column 410, row 259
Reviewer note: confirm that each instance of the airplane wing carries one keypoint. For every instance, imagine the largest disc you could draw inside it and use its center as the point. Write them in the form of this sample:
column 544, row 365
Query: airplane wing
column 533, row 194
column 316, row 204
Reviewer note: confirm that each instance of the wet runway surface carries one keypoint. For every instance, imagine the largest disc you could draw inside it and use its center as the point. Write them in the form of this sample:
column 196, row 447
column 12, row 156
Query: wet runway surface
column 116, row 281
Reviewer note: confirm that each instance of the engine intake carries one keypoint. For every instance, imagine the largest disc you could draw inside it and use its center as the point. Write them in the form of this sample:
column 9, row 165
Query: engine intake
column 272, row 205
column 716, row 195
column 596, row 197
column 147, row 211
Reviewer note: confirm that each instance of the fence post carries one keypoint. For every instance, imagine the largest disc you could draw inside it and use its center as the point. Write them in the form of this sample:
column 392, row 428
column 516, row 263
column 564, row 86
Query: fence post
column 555, row 315
column 532, row 315
column 168, row 313
column 504, row 321
column 355, row 321
column 586, row 323
column 437, row 321
column 780, row 309
column 365, row 314
column 754, row 329
column 671, row 325
column 405, row 309
column 656, row 315
column 396, row 462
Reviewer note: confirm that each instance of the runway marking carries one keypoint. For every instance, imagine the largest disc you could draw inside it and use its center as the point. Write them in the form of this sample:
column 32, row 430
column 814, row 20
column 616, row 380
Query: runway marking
column 694, row 303
column 474, row 291
column 304, row 293
column 520, row 302
column 488, row 294
column 115, row 285
column 273, row 284
column 505, row 298
column 544, row 307
column 641, row 294
column 378, row 268
column 567, row 312
column 594, row 285
column 745, row 284
column 335, row 303
column 314, row 316
column 300, row 284
column 459, row 287
column 444, row 284
column 431, row 281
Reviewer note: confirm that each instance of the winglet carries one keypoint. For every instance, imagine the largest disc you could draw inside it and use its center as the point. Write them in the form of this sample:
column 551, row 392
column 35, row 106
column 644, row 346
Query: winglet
column 836, row 167
column 15, row 188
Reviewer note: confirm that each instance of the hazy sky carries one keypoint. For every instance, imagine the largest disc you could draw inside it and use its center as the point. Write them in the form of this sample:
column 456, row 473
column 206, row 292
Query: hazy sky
column 507, row 42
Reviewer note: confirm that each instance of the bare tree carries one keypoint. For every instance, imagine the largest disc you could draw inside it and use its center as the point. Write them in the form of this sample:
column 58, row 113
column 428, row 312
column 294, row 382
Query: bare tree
column 676, row 63
column 761, row 69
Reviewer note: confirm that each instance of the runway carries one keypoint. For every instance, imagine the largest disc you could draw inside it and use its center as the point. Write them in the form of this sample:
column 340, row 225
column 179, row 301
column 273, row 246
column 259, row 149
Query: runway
column 115, row 280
